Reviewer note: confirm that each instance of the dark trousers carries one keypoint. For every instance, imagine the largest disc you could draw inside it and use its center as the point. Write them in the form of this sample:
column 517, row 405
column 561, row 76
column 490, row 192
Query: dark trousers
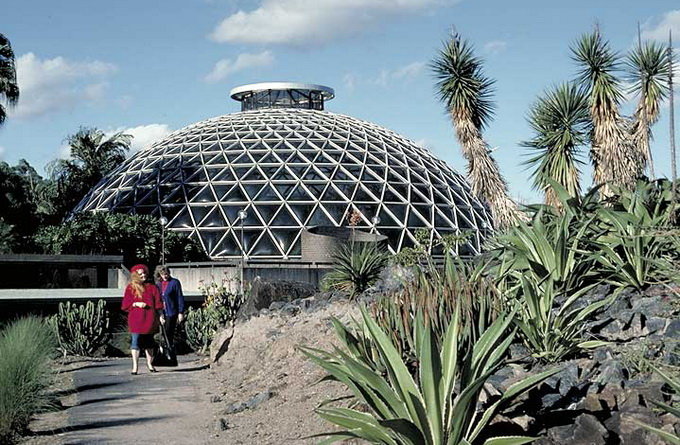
column 170, row 325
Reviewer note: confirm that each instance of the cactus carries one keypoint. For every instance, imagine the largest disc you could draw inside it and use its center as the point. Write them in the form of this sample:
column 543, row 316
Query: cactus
column 81, row 329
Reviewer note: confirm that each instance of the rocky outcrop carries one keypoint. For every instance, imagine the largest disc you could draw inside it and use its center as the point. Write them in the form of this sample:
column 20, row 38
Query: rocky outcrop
column 263, row 293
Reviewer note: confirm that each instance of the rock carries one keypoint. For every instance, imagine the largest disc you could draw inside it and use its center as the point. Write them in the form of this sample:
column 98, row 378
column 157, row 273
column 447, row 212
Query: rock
column 290, row 309
column 586, row 430
column 220, row 343
column 222, row 424
column 276, row 305
column 264, row 292
column 673, row 330
column 215, row 399
column 251, row 403
column 655, row 324
column 258, row 399
column 611, row 373
column 568, row 378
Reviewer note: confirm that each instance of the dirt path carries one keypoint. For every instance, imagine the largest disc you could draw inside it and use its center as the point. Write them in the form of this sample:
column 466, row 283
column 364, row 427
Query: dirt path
column 114, row 407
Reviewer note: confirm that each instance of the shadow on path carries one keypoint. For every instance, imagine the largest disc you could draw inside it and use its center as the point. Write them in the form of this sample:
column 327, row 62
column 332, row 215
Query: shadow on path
column 97, row 424
column 83, row 388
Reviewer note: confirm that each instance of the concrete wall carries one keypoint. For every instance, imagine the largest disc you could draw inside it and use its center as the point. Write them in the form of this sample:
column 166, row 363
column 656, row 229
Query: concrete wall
column 191, row 274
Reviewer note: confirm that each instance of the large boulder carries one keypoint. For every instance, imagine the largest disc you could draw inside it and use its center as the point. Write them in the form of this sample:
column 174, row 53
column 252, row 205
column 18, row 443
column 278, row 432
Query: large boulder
column 263, row 293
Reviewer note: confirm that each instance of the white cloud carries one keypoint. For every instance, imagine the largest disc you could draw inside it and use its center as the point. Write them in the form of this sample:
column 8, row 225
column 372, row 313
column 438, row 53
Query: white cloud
column 48, row 85
column 223, row 68
column 495, row 46
column 312, row 22
column 405, row 73
column 2, row 152
column 145, row 135
column 659, row 31
column 350, row 81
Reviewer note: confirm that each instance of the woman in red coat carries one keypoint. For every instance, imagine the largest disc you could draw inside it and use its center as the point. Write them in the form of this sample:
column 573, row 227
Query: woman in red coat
column 144, row 306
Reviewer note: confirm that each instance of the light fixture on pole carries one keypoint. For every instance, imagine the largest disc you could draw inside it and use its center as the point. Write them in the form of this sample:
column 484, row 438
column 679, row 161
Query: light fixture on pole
column 375, row 220
column 163, row 222
column 242, row 215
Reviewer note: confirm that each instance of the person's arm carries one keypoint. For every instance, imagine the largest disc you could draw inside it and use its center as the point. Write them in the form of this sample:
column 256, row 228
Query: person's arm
column 157, row 302
column 127, row 300
column 180, row 298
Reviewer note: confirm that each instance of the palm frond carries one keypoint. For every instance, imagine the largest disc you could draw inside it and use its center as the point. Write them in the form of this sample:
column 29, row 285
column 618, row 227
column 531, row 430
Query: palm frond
column 461, row 82
column 560, row 120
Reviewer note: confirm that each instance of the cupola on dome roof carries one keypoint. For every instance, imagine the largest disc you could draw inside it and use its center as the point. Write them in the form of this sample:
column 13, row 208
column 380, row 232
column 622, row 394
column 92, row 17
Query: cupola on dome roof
column 282, row 165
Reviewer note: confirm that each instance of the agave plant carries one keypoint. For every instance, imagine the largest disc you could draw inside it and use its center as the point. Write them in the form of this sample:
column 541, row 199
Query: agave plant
column 440, row 405
column 356, row 266
column 635, row 248
column 467, row 93
column 598, row 64
column 548, row 271
column 647, row 70
column 561, row 123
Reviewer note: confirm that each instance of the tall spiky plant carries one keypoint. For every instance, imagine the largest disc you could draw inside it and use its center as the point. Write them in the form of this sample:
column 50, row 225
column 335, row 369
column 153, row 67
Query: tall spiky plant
column 613, row 163
column 9, row 89
column 647, row 71
column 467, row 93
column 560, row 120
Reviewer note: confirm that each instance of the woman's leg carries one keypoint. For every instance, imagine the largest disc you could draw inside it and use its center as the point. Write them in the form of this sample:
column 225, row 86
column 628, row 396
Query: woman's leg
column 134, row 350
column 149, row 359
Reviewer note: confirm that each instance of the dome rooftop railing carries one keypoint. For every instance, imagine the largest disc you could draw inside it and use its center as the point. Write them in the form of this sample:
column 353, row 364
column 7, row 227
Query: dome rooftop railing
column 265, row 95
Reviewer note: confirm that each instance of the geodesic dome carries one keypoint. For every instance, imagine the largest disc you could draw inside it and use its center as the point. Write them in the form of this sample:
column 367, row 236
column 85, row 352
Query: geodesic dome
column 290, row 165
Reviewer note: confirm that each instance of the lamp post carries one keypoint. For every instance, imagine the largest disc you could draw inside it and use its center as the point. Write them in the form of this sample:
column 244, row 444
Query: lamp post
column 242, row 215
column 163, row 222
column 375, row 220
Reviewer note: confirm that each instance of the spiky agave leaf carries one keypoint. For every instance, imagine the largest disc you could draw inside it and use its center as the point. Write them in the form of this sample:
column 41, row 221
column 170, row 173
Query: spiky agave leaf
column 9, row 89
column 598, row 63
column 561, row 122
column 647, row 72
column 467, row 93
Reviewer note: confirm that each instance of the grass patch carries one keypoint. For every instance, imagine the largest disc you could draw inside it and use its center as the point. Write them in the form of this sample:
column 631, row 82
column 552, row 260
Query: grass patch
column 27, row 348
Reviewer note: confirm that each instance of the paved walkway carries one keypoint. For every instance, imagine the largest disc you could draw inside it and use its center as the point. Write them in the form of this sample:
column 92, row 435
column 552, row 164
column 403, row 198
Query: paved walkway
column 115, row 407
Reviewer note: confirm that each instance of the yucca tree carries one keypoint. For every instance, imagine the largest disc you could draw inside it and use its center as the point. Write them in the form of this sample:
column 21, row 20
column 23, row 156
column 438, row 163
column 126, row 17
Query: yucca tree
column 467, row 93
column 560, row 120
column 613, row 163
column 9, row 89
column 647, row 72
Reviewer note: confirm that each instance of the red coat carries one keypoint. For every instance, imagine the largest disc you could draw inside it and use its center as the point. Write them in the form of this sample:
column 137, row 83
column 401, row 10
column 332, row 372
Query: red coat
column 143, row 320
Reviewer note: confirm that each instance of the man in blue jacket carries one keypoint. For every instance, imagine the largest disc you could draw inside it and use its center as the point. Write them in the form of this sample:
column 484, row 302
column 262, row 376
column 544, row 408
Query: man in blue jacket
column 173, row 300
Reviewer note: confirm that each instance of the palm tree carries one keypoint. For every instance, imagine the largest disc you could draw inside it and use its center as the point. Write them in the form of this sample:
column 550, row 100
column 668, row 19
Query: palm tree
column 613, row 162
column 560, row 120
column 647, row 71
column 93, row 155
column 8, row 77
column 467, row 94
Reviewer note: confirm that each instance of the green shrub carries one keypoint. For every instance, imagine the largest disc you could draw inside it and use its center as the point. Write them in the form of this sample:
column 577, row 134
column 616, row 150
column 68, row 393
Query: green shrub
column 439, row 405
column 220, row 308
column 27, row 347
column 81, row 329
column 434, row 293
column 355, row 267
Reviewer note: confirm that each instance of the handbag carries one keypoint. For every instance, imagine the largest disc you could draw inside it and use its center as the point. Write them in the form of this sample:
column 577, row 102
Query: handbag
column 165, row 354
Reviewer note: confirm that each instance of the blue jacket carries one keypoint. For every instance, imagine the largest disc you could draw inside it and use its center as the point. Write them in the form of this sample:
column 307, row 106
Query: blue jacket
column 173, row 298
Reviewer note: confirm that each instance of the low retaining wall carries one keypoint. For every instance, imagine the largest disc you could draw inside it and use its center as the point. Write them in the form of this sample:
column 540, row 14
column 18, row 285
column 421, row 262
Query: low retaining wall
column 191, row 274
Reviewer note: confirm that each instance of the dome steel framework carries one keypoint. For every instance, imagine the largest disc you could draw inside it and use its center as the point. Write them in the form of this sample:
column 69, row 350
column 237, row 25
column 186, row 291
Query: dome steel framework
column 290, row 169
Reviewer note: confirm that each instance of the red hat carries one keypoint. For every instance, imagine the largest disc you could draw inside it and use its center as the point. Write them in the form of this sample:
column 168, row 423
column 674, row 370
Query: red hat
column 137, row 267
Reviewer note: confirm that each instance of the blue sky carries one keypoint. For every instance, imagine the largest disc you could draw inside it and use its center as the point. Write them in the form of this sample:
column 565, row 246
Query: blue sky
column 149, row 67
